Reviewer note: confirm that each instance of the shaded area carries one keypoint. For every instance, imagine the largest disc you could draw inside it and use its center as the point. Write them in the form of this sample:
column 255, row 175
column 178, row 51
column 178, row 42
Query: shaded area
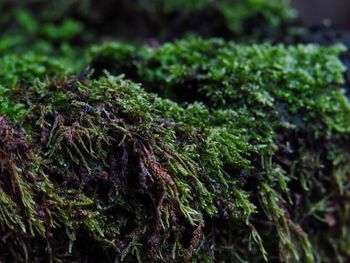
column 316, row 12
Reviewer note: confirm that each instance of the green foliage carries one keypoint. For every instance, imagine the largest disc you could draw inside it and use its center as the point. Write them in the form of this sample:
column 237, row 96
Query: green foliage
column 236, row 13
column 64, row 21
column 272, row 13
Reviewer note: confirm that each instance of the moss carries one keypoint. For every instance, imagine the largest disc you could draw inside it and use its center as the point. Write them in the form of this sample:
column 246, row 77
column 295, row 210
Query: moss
column 224, row 152
column 167, row 176
column 285, row 80
column 141, row 177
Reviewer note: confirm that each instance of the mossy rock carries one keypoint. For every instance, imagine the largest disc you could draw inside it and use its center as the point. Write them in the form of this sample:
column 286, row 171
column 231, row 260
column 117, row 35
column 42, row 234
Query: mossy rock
column 223, row 153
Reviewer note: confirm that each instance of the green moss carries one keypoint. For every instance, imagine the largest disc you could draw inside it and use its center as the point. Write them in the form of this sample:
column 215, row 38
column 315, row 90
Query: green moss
column 283, row 82
column 81, row 150
column 223, row 153
column 127, row 171
column 25, row 70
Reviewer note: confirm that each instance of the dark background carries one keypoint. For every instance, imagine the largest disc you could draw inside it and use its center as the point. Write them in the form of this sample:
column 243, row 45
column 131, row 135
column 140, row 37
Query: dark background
column 324, row 11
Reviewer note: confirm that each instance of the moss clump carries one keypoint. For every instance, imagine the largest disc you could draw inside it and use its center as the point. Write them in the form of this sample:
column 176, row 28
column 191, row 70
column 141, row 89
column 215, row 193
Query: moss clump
column 288, row 81
column 110, row 142
column 250, row 164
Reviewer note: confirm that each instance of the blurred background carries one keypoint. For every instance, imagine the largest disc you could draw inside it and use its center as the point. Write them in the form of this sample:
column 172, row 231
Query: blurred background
column 336, row 12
